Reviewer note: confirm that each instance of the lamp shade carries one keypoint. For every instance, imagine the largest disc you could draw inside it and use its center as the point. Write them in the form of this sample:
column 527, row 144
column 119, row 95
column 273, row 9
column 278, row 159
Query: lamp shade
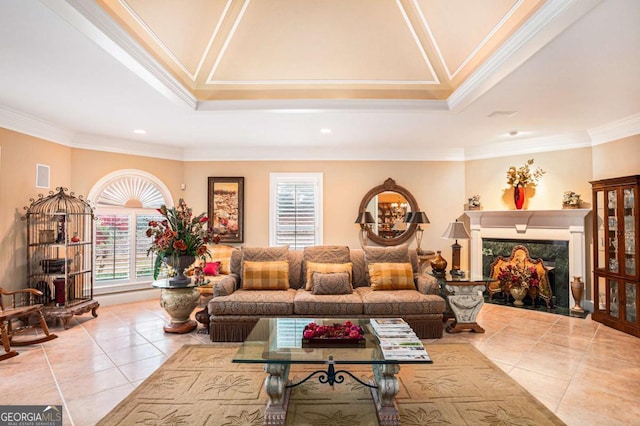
column 419, row 217
column 364, row 218
column 456, row 231
column 407, row 217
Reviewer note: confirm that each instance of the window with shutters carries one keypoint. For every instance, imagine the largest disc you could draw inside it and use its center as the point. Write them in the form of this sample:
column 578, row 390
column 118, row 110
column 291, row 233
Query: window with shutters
column 125, row 203
column 296, row 210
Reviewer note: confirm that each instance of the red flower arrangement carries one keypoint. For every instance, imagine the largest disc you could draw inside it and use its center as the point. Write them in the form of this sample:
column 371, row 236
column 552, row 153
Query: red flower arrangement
column 179, row 234
column 513, row 275
column 348, row 330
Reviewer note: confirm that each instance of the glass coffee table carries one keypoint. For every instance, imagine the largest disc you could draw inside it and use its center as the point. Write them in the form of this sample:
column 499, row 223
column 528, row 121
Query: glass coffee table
column 277, row 343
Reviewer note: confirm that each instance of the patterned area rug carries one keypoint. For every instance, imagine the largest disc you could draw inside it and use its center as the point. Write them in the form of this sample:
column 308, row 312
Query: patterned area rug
column 199, row 385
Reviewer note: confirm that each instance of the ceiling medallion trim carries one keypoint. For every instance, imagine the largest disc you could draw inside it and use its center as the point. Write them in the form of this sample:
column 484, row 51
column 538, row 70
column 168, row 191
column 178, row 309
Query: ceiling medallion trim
column 323, row 82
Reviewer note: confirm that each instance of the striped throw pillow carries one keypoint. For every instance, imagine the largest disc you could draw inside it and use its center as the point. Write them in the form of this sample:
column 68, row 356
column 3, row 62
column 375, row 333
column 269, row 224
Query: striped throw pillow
column 265, row 275
column 326, row 268
column 391, row 276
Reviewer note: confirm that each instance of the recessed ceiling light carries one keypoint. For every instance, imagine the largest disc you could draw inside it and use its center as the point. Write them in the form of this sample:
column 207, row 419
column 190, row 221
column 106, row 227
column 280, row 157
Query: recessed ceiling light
column 503, row 114
column 513, row 133
column 139, row 131
column 325, row 130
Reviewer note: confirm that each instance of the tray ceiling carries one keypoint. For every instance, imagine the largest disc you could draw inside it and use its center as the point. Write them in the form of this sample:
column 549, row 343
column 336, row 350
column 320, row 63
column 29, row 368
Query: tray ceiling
column 330, row 49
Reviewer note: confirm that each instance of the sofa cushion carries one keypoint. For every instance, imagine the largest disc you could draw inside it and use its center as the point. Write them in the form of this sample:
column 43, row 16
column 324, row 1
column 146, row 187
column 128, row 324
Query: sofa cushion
column 326, row 268
column 331, row 283
column 391, row 276
column 254, row 302
column 398, row 302
column 265, row 275
column 323, row 254
column 306, row 303
column 395, row 254
column 222, row 253
column 360, row 275
column 265, row 254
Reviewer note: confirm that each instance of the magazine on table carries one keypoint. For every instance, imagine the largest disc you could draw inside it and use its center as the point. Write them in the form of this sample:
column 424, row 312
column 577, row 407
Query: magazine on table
column 397, row 340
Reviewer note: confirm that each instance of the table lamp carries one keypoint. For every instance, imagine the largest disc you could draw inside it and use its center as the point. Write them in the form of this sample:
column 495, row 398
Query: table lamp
column 419, row 217
column 364, row 219
column 456, row 231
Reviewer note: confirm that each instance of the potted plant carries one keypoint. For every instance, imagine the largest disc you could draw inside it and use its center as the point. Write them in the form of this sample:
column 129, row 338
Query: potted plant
column 571, row 200
column 474, row 202
column 518, row 279
column 178, row 239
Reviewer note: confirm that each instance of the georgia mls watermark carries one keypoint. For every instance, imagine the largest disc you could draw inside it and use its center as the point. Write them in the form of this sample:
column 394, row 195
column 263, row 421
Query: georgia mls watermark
column 30, row 415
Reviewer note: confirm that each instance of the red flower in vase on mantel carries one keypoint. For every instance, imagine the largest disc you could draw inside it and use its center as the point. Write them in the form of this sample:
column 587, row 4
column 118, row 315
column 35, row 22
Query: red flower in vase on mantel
column 520, row 177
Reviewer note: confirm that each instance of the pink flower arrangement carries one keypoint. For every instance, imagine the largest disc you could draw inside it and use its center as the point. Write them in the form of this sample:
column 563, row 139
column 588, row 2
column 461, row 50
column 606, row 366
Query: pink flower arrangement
column 348, row 330
column 513, row 275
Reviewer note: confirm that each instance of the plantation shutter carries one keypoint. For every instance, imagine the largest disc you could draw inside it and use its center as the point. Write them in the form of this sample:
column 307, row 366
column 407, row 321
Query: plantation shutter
column 296, row 210
column 144, row 263
column 112, row 251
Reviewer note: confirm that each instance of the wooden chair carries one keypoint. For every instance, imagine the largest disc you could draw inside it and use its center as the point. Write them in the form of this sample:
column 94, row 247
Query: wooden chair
column 22, row 309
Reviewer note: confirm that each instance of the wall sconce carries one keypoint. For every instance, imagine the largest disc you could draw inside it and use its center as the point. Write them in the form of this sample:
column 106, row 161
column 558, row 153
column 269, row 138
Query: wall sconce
column 456, row 231
column 418, row 217
column 364, row 219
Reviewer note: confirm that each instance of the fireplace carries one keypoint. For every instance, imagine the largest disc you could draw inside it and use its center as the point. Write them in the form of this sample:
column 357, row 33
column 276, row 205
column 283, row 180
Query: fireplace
column 556, row 236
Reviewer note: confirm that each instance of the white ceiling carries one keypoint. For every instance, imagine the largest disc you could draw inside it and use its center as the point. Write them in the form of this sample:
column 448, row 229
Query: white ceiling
column 70, row 74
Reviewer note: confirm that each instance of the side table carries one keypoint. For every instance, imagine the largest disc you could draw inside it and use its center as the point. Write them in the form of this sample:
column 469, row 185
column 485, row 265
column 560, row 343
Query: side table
column 179, row 302
column 465, row 300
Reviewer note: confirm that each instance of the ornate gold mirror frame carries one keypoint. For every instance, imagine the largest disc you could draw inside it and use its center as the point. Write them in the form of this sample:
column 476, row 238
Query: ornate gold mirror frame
column 389, row 185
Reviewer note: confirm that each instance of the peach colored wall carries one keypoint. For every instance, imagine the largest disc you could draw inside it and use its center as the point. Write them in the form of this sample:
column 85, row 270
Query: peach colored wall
column 91, row 166
column 19, row 155
column 433, row 184
column 567, row 170
column 617, row 158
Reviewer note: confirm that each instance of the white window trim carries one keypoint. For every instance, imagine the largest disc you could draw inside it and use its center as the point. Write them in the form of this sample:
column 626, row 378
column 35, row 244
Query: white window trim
column 130, row 284
column 317, row 180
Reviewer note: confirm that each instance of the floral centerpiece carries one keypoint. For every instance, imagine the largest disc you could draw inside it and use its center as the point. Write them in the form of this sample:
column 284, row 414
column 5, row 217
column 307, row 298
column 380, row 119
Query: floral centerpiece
column 337, row 333
column 571, row 200
column 181, row 235
column 523, row 175
column 518, row 279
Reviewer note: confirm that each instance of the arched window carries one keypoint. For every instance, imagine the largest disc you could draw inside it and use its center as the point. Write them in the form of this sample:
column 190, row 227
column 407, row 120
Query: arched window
column 125, row 201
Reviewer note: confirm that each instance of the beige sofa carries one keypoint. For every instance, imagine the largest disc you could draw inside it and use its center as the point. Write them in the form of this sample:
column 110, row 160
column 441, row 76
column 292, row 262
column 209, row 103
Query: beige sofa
column 234, row 310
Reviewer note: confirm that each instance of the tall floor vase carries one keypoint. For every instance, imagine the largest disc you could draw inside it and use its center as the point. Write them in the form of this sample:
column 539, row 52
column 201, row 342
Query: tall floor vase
column 519, row 195
column 518, row 294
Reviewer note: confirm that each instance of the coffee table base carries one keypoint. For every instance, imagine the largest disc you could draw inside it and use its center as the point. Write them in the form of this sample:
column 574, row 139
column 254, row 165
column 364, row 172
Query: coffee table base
column 384, row 389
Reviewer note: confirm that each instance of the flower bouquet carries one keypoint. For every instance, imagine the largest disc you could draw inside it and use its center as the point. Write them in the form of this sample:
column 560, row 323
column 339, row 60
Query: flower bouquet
column 519, row 276
column 343, row 335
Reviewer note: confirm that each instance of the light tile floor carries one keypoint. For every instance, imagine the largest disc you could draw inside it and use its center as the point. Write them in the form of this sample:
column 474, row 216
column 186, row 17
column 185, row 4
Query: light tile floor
column 586, row 373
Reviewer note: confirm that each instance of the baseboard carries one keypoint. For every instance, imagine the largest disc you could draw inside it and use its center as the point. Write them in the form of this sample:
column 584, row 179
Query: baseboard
column 128, row 297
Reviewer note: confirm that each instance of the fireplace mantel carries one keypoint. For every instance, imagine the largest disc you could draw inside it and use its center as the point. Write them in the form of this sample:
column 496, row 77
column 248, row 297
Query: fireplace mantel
column 561, row 225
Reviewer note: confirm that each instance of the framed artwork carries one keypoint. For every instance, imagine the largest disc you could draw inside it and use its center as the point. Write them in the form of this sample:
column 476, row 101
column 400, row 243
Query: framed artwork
column 226, row 208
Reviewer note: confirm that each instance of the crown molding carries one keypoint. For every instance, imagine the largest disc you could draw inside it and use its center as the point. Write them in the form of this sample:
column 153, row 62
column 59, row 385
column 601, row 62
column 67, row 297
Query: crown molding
column 320, row 105
column 552, row 19
column 512, row 147
column 620, row 129
column 125, row 146
column 92, row 21
column 32, row 126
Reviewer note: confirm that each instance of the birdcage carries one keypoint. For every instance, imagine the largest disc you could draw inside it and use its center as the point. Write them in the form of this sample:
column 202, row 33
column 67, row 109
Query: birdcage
column 60, row 254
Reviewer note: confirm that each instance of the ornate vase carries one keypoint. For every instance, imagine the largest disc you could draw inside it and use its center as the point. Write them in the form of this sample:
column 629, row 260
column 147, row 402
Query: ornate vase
column 438, row 263
column 519, row 196
column 518, row 293
column 179, row 264
column 577, row 289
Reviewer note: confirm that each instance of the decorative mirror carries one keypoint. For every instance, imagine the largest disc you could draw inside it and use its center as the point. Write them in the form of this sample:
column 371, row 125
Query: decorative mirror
column 389, row 204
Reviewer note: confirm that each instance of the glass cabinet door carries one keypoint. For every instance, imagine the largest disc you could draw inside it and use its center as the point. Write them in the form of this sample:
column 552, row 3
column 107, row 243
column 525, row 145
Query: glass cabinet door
column 601, row 249
column 631, row 305
column 629, row 231
column 612, row 231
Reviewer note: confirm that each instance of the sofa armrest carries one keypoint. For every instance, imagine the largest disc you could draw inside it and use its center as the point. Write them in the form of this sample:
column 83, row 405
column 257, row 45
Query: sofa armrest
column 226, row 286
column 427, row 284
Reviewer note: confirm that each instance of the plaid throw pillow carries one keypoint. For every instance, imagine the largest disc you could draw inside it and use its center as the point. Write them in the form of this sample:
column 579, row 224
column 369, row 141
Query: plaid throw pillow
column 326, row 268
column 222, row 254
column 265, row 275
column 391, row 276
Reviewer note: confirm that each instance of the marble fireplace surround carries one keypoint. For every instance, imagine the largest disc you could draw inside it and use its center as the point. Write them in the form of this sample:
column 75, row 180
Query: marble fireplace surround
column 556, row 225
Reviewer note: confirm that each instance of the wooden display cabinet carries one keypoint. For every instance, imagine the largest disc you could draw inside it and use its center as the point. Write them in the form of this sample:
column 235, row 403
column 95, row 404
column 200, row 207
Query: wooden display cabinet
column 616, row 251
column 60, row 254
